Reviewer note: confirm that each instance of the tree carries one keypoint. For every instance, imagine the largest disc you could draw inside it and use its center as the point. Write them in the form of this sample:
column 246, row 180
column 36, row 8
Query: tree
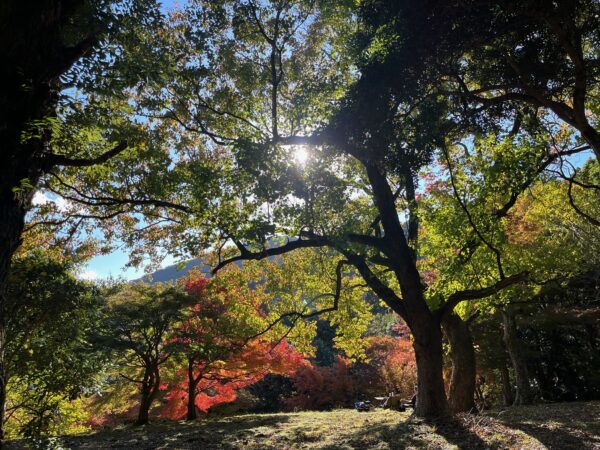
column 516, row 207
column 225, row 340
column 45, row 364
column 498, row 62
column 216, row 332
column 139, row 318
column 366, row 143
column 43, row 53
column 213, row 382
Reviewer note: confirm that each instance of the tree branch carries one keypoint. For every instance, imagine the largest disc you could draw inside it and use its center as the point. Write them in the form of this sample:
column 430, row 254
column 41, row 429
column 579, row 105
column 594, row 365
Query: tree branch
column 61, row 160
column 245, row 254
column 476, row 294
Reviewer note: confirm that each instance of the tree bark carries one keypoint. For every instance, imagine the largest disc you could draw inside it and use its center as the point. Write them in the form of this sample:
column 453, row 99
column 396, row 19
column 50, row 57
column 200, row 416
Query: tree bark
column 34, row 57
column 150, row 387
column 461, row 393
column 431, row 396
column 507, row 391
column 424, row 326
column 592, row 137
column 514, row 346
column 12, row 219
column 192, row 383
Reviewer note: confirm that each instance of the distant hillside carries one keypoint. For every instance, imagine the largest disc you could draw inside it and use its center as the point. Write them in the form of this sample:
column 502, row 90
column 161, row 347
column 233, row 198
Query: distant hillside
column 176, row 271
column 171, row 273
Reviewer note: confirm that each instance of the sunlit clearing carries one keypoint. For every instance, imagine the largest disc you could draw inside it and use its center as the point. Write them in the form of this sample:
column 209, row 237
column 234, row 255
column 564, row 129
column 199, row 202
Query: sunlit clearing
column 300, row 155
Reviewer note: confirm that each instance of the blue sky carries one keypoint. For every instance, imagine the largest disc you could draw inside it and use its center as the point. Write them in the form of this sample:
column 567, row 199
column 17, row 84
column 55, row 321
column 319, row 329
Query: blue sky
column 113, row 264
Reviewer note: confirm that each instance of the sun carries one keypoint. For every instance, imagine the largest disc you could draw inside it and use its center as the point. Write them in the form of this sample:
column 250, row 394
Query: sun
column 300, row 153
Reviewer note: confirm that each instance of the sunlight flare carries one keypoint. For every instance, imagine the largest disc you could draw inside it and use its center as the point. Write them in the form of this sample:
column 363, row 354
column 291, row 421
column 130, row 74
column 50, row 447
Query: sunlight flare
column 300, row 154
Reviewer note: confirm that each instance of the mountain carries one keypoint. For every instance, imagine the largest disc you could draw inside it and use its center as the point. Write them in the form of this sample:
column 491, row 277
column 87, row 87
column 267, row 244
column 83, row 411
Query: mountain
column 172, row 273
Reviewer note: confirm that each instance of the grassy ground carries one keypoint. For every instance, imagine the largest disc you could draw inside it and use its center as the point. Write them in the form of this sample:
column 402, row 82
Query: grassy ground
column 555, row 426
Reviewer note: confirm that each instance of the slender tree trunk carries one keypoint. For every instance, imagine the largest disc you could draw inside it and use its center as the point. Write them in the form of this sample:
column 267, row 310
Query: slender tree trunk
column 192, row 383
column 514, row 346
column 431, row 396
column 507, row 391
column 150, row 388
column 461, row 393
column 144, row 402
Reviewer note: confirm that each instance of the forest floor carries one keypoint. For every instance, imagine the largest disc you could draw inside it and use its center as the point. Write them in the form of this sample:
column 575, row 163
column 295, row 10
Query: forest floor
column 550, row 426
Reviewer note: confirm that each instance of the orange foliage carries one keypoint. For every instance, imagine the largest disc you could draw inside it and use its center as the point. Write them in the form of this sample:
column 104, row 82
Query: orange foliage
column 390, row 367
column 395, row 362
column 324, row 387
column 520, row 229
column 219, row 384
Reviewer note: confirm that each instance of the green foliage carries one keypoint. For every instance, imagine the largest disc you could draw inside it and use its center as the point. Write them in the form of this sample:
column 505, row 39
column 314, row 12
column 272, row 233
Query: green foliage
column 138, row 318
column 301, row 283
column 49, row 366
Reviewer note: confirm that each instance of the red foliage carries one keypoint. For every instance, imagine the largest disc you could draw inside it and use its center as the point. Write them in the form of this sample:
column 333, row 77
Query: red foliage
column 324, row 387
column 196, row 285
column 215, row 340
column 220, row 384
column 394, row 360
column 390, row 367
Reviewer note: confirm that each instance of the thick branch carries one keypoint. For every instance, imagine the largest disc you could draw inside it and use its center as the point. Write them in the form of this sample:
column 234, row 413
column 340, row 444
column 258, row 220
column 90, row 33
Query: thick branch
column 61, row 160
column 246, row 254
column 383, row 291
column 476, row 294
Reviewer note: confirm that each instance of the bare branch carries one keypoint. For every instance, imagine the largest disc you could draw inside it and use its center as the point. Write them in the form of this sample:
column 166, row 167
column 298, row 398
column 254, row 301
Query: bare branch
column 302, row 315
column 577, row 209
column 113, row 201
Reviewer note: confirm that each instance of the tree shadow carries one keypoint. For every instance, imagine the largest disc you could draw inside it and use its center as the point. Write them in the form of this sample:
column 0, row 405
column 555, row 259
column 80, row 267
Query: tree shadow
column 227, row 433
column 571, row 426
column 456, row 430
column 415, row 432
column 398, row 436
column 558, row 438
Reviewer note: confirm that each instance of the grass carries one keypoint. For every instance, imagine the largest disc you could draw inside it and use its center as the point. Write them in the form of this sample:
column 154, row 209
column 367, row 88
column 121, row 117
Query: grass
column 552, row 426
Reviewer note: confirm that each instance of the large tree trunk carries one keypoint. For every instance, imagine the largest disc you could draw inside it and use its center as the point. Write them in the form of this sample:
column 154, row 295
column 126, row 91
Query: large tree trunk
column 35, row 55
column 431, row 396
column 425, row 327
column 192, row 383
column 461, row 393
column 514, row 346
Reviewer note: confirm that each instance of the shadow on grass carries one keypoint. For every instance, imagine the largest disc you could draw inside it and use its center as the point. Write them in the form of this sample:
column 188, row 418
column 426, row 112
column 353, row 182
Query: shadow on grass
column 414, row 432
column 213, row 434
column 398, row 436
column 571, row 426
column 456, row 432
